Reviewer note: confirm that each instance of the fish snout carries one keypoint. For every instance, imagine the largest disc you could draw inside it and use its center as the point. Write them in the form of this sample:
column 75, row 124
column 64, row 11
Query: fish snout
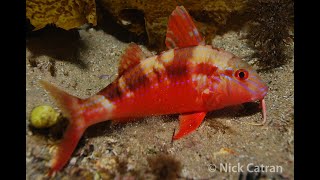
column 261, row 94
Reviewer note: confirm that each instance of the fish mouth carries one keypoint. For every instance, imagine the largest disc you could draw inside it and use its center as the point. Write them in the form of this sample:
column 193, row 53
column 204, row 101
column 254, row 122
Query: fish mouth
column 260, row 95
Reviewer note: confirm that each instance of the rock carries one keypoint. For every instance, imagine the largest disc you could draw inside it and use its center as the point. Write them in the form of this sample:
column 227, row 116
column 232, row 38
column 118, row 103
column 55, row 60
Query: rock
column 152, row 16
column 63, row 13
column 43, row 117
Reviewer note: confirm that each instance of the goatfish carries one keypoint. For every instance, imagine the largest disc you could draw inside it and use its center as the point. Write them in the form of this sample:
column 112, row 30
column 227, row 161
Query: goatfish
column 189, row 79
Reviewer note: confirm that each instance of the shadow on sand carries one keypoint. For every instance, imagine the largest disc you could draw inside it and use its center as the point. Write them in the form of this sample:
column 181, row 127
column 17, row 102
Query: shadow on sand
column 109, row 25
column 56, row 43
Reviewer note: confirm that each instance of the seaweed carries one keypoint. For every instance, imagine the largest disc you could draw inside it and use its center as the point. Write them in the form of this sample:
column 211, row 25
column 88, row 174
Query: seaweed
column 271, row 23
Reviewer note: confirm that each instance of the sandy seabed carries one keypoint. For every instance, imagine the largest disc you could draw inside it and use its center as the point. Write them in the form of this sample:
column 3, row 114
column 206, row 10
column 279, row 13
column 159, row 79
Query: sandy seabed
column 84, row 61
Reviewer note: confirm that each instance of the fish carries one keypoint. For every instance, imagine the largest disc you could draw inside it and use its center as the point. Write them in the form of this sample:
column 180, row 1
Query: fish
column 190, row 78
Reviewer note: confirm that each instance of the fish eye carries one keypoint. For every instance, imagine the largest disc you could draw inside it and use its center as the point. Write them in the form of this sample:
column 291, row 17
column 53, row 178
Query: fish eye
column 241, row 74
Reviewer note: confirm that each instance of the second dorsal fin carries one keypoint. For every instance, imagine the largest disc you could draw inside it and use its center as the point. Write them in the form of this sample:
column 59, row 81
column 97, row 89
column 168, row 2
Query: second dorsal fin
column 181, row 31
column 131, row 57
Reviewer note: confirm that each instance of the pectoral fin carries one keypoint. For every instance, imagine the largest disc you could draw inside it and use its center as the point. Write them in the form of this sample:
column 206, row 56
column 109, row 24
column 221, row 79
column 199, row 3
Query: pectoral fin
column 189, row 123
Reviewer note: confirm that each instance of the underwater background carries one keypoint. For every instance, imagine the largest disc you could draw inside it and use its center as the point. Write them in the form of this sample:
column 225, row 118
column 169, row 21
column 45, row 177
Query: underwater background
column 79, row 52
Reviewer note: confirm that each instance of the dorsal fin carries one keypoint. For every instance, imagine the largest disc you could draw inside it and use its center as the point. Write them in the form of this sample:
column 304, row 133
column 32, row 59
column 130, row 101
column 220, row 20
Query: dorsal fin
column 131, row 57
column 181, row 31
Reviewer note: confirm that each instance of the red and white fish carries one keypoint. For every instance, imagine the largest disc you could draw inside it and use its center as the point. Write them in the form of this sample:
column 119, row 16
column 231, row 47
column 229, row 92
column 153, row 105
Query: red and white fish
column 190, row 78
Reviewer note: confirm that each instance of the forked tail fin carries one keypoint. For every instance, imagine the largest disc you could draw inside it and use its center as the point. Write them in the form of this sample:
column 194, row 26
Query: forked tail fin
column 70, row 106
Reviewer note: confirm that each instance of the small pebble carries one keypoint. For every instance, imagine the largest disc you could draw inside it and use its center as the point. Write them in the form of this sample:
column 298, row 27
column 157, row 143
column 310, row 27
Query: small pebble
column 43, row 117
column 73, row 161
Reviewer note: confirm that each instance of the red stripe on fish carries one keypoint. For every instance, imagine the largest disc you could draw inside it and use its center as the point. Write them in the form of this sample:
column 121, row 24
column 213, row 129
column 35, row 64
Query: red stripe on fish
column 178, row 66
column 136, row 78
column 111, row 92
column 159, row 73
column 228, row 72
column 206, row 69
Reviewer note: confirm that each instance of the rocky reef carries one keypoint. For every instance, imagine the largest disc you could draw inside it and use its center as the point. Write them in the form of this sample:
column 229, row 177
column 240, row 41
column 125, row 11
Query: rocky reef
column 65, row 14
column 151, row 16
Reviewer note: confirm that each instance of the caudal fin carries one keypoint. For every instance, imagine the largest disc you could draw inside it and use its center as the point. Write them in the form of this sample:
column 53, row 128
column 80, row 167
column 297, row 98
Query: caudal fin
column 70, row 106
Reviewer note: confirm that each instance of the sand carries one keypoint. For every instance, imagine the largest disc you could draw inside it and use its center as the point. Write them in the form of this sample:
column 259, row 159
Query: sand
column 87, row 61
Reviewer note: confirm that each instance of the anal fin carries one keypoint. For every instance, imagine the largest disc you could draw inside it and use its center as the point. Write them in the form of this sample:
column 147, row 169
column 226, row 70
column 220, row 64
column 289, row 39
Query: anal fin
column 189, row 123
